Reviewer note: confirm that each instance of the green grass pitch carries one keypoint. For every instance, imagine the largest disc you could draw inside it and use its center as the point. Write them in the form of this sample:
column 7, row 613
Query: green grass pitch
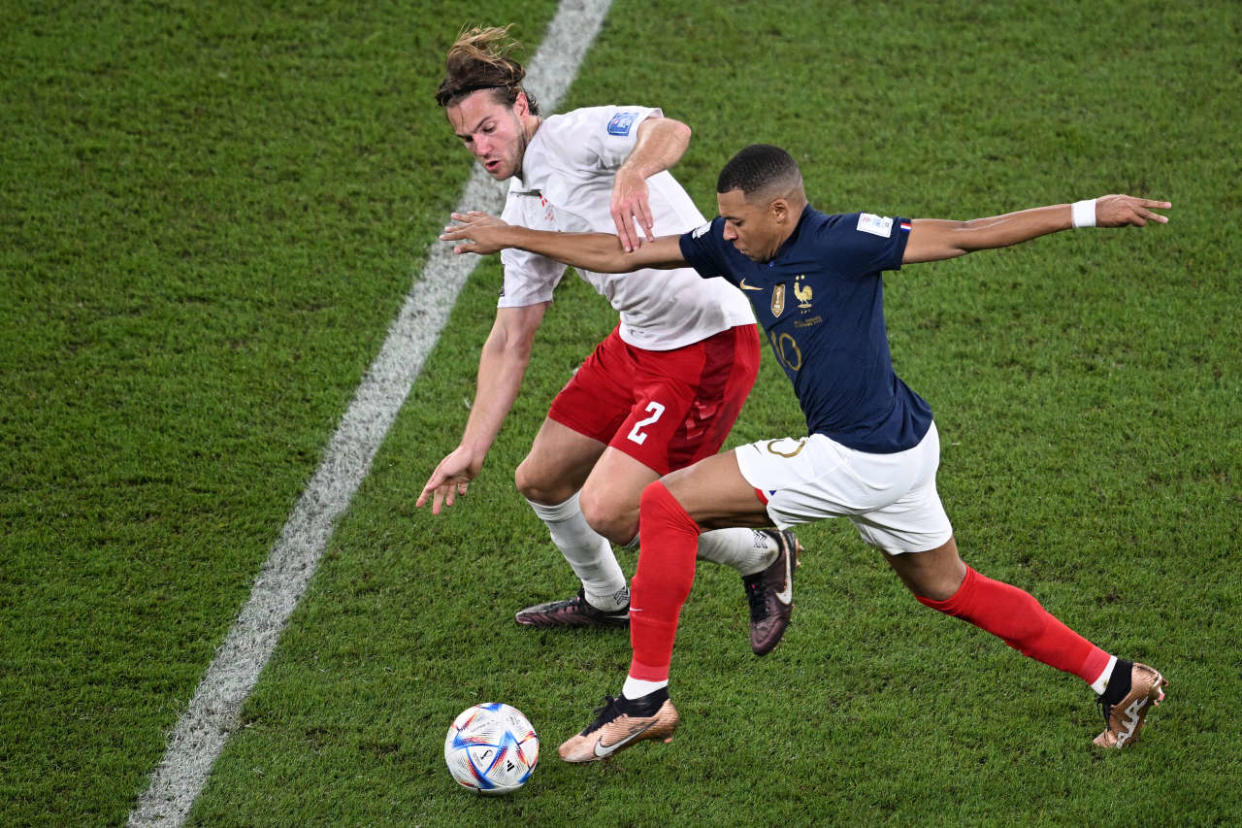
column 211, row 213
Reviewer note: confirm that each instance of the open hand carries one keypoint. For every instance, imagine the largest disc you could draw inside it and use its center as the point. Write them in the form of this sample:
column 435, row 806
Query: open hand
column 1122, row 210
column 631, row 209
column 478, row 233
column 450, row 479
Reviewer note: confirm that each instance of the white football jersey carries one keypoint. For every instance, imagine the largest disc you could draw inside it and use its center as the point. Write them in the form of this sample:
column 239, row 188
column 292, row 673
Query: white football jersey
column 566, row 185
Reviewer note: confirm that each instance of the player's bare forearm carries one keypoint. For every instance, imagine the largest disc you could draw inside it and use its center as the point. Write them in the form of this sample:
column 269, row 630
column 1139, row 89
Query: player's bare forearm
column 499, row 381
column 600, row 252
column 934, row 239
column 496, row 390
column 502, row 365
column 661, row 144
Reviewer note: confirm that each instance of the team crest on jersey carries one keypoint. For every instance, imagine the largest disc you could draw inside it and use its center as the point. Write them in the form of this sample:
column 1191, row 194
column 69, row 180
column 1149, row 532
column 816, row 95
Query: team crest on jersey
column 621, row 123
column 778, row 299
column 803, row 292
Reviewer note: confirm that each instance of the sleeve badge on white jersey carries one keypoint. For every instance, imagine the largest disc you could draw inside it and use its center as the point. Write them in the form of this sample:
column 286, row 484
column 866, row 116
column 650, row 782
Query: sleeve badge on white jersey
column 621, row 123
column 699, row 231
column 875, row 225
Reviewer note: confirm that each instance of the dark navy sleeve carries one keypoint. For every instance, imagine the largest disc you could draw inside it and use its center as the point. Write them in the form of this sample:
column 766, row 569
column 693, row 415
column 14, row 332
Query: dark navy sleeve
column 868, row 242
column 701, row 249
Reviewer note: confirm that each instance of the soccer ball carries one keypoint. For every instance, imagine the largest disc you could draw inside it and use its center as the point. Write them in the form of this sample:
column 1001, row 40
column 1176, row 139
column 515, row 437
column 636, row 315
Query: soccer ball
column 491, row 748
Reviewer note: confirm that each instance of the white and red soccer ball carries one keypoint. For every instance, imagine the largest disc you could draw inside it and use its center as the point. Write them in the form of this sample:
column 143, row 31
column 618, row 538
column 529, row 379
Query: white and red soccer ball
column 491, row 748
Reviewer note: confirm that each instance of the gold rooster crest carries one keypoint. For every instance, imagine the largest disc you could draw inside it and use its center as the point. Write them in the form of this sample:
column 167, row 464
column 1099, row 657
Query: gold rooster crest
column 803, row 292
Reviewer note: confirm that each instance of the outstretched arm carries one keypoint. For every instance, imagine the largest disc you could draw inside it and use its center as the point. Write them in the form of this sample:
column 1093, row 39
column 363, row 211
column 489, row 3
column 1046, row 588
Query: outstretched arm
column 934, row 239
column 660, row 144
column 502, row 364
column 601, row 252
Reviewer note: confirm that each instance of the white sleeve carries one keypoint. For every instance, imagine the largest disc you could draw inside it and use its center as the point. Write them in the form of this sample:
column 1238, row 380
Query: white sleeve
column 529, row 277
column 603, row 136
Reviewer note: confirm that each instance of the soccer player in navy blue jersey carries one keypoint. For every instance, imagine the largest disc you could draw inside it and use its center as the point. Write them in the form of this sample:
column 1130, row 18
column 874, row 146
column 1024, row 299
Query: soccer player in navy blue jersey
column 872, row 450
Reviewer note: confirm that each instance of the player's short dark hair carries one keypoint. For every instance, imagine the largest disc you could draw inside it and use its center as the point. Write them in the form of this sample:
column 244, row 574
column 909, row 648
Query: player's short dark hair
column 759, row 167
column 479, row 59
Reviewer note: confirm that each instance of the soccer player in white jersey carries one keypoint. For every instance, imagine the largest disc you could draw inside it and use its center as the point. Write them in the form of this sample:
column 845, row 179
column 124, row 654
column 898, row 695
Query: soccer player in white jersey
column 661, row 392
column 872, row 450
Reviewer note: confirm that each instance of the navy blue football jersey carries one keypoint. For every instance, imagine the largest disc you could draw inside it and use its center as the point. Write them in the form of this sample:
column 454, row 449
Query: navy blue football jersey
column 821, row 302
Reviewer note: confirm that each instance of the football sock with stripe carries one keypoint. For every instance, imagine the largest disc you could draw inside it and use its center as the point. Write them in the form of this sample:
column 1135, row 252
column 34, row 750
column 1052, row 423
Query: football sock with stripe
column 1101, row 682
column 1021, row 622
column 1118, row 685
column 662, row 583
column 745, row 550
column 588, row 553
column 638, row 688
column 647, row 705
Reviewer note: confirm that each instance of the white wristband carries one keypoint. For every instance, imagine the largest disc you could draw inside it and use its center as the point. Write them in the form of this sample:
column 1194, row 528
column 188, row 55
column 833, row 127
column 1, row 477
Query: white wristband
column 1084, row 213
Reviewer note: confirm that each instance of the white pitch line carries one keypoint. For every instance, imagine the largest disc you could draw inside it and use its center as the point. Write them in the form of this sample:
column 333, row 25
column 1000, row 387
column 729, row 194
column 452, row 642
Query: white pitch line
column 200, row 735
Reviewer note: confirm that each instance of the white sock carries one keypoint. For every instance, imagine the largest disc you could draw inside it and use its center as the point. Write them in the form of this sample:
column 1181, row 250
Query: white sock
column 1101, row 683
column 588, row 552
column 746, row 550
column 637, row 688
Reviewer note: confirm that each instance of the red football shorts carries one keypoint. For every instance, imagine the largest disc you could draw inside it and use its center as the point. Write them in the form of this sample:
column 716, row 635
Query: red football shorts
column 666, row 409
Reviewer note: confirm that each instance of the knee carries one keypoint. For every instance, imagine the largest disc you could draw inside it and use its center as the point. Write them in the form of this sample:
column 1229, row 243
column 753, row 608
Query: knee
column 540, row 488
column 935, row 575
column 937, row 587
column 527, row 483
column 612, row 514
column 651, row 494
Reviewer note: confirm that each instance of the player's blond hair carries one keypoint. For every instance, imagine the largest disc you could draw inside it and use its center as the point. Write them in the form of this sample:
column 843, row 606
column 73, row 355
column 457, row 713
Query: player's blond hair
column 480, row 59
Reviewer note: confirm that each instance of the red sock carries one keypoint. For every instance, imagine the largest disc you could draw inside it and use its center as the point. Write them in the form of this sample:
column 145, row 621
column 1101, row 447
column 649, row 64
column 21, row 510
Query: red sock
column 1019, row 620
column 668, row 544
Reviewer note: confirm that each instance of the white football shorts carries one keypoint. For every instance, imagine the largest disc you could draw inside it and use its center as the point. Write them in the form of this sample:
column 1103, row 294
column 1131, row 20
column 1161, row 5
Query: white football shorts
column 890, row 498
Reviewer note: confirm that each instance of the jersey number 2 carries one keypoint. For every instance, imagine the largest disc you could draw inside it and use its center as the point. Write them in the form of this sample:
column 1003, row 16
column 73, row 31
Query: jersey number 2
column 636, row 434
